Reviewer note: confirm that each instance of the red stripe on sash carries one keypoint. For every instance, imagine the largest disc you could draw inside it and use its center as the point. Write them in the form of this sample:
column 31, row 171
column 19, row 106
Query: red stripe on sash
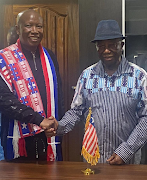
column 44, row 67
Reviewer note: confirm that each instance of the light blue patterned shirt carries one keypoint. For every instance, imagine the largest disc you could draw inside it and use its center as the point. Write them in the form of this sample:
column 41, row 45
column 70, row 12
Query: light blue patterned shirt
column 119, row 108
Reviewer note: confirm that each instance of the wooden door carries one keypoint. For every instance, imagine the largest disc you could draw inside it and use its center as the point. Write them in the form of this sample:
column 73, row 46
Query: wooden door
column 61, row 35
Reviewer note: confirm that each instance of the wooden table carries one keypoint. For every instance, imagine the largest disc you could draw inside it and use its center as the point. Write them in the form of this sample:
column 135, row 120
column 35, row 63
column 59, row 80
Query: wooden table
column 70, row 171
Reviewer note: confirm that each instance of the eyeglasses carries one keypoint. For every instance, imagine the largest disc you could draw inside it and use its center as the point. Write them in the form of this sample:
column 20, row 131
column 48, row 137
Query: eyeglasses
column 111, row 47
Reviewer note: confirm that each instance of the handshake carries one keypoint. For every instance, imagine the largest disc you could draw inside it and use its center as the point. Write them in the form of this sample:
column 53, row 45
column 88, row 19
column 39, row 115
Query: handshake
column 50, row 126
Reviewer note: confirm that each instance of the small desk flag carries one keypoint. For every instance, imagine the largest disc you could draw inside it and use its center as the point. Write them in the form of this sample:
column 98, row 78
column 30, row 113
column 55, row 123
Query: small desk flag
column 90, row 149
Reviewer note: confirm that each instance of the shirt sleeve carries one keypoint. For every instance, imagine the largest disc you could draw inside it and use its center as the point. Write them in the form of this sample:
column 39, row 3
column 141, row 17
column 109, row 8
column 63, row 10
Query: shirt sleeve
column 12, row 108
column 73, row 116
column 138, row 137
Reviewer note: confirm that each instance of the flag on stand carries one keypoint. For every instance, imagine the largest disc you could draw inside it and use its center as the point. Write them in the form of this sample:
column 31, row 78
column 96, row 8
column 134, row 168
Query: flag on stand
column 90, row 149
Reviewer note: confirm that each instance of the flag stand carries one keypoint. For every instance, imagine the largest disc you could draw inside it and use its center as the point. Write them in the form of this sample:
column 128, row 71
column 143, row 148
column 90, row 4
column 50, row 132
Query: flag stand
column 88, row 170
column 90, row 149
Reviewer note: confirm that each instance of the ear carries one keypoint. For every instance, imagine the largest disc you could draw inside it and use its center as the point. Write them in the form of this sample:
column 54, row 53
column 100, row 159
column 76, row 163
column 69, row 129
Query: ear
column 17, row 29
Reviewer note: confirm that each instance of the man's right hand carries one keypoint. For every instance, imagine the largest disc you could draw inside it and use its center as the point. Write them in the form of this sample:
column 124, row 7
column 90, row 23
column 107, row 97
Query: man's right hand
column 50, row 132
column 48, row 123
column 50, row 126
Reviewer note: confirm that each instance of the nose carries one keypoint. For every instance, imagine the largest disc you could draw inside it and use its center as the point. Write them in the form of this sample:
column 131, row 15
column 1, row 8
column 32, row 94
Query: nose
column 34, row 29
column 106, row 49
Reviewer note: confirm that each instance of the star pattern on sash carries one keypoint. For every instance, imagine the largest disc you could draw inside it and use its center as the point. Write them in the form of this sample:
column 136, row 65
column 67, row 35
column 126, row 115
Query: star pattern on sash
column 31, row 85
column 24, row 126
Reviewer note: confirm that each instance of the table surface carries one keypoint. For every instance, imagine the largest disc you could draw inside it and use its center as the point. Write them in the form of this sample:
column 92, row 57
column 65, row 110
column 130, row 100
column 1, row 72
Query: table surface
column 69, row 171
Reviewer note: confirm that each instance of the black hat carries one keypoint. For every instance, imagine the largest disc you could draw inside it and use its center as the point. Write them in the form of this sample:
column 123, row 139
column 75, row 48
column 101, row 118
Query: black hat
column 107, row 29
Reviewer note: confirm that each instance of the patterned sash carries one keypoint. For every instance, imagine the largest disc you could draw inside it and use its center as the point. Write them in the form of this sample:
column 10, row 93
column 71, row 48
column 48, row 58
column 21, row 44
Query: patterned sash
column 17, row 74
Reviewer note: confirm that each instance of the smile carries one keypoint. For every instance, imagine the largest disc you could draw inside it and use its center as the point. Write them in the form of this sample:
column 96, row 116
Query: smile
column 108, row 57
column 34, row 38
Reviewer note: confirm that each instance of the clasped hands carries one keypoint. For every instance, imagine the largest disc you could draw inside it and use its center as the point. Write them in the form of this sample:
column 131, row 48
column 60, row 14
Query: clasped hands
column 50, row 126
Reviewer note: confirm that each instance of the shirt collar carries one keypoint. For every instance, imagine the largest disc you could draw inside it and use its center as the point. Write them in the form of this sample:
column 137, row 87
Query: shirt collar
column 28, row 53
column 123, row 68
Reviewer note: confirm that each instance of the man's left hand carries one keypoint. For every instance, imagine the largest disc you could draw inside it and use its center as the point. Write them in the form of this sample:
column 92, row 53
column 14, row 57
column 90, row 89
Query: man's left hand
column 115, row 159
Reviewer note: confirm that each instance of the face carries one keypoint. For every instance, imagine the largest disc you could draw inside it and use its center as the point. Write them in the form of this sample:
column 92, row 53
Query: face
column 110, row 52
column 30, row 30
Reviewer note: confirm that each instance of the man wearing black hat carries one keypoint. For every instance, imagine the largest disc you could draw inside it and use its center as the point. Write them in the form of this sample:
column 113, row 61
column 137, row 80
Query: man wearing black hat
column 116, row 91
